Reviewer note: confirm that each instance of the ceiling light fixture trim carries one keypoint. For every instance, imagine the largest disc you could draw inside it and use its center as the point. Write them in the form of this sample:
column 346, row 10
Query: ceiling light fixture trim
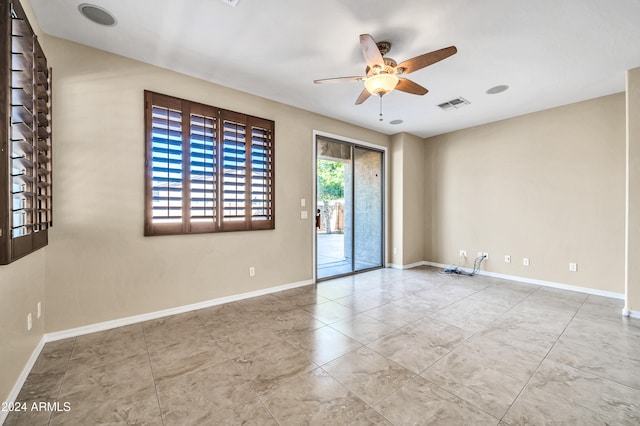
column 97, row 14
column 381, row 84
column 497, row 89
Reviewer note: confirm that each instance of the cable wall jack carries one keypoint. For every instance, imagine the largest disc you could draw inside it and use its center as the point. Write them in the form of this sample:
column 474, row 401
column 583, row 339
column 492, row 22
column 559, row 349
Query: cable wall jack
column 456, row 270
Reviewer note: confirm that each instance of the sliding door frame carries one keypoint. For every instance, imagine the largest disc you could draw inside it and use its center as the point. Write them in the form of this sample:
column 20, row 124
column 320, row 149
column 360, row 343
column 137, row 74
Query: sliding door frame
column 385, row 191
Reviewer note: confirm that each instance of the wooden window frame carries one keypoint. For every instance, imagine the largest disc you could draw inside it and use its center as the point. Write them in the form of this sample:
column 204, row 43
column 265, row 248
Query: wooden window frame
column 26, row 197
column 254, row 169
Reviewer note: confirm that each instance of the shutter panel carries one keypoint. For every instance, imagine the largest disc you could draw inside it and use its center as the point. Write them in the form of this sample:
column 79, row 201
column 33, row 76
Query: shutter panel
column 164, row 158
column 25, row 150
column 44, row 190
column 261, row 174
column 233, row 174
column 23, row 170
column 202, row 171
column 166, row 171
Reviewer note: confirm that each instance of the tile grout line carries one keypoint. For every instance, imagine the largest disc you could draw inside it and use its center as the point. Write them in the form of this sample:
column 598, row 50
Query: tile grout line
column 543, row 358
column 64, row 376
column 153, row 376
column 367, row 405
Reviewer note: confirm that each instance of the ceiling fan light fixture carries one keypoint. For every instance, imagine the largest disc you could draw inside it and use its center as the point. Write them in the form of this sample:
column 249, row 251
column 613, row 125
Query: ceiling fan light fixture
column 381, row 84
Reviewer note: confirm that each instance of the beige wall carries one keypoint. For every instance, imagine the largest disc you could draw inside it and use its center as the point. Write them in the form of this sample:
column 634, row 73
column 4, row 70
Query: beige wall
column 22, row 286
column 548, row 186
column 408, row 199
column 632, row 275
column 99, row 266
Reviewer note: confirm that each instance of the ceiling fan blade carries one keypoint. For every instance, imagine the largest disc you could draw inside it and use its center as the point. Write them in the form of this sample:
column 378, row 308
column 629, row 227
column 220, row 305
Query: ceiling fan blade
column 425, row 60
column 370, row 51
column 338, row 79
column 405, row 85
column 363, row 97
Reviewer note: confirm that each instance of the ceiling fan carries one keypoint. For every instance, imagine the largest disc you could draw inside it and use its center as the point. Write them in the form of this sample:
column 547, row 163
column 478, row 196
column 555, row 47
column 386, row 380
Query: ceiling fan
column 383, row 75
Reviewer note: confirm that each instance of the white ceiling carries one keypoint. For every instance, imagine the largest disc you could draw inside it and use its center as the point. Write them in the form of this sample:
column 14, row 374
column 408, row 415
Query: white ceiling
column 550, row 52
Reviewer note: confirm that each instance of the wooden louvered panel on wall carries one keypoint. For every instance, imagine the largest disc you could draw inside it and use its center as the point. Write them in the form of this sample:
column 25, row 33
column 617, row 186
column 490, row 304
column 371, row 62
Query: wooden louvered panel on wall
column 207, row 169
column 25, row 150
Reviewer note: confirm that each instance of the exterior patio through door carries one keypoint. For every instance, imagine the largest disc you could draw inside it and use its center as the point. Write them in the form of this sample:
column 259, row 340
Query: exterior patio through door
column 349, row 199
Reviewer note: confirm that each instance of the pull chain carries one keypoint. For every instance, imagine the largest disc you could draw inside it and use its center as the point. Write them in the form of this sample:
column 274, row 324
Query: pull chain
column 380, row 119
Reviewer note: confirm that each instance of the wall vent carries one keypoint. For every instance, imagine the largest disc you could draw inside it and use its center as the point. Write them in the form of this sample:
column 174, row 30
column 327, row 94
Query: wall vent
column 454, row 104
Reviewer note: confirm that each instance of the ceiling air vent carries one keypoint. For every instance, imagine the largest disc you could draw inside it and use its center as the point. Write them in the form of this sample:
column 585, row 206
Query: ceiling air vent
column 454, row 104
column 232, row 3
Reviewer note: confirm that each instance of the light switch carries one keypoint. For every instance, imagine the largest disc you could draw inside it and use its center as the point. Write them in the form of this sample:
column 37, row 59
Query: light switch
column 303, row 202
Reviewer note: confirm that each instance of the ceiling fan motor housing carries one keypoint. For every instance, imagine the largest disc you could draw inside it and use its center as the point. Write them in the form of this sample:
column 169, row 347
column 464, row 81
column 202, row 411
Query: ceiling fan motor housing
column 389, row 68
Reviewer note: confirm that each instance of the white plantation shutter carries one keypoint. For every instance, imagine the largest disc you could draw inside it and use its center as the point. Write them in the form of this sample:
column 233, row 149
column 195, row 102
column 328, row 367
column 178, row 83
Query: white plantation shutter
column 207, row 169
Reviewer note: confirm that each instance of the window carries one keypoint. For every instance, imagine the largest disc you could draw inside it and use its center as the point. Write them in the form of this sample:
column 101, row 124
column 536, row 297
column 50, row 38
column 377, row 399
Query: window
column 25, row 145
column 207, row 169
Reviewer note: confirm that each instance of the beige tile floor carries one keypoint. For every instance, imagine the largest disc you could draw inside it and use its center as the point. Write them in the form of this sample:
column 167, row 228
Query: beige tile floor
column 387, row 347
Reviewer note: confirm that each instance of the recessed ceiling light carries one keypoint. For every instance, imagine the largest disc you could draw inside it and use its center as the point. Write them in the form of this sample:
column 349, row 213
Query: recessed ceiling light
column 97, row 14
column 497, row 89
column 396, row 122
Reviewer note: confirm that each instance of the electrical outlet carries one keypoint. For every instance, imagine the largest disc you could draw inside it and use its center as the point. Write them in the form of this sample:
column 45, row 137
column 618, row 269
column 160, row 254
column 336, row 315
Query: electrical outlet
column 486, row 255
column 573, row 267
column 29, row 322
column 252, row 271
column 39, row 314
column 525, row 261
column 463, row 253
column 507, row 258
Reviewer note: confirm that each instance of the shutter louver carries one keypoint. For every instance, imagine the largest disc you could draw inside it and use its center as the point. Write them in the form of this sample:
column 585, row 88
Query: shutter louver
column 166, row 170
column 234, row 166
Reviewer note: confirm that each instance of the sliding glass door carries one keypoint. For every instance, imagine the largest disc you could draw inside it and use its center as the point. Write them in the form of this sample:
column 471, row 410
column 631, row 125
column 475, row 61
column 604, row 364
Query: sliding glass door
column 349, row 198
column 367, row 208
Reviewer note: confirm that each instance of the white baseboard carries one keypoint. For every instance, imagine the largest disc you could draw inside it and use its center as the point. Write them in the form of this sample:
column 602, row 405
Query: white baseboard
column 107, row 325
column 544, row 283
column 13, row 395
column 409, row 266
column 631, row 314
